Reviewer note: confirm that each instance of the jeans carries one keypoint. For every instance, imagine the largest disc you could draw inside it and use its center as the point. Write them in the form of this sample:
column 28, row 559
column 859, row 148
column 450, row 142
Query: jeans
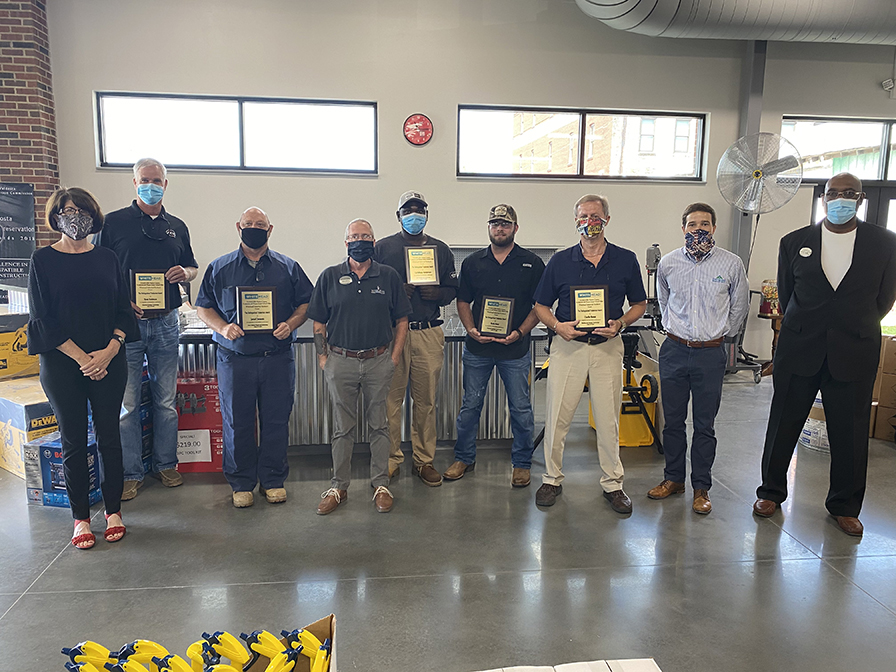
column 158, row 343
column 690, row 374
column 515, row 375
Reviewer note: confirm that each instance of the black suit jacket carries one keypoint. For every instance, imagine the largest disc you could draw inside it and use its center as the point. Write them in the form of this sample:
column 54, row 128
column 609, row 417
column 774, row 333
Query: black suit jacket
column 842, row 325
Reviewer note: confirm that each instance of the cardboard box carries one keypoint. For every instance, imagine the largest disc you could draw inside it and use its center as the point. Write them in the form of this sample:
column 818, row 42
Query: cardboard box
column 198, row 404
column 200, row 450
column 886, row 389
column 811, row 434
column 885, row 424
column 44, row 476
column 875, row 394
column 25, row 415
column 15, row 362
column 324, row 630
column 888, row 354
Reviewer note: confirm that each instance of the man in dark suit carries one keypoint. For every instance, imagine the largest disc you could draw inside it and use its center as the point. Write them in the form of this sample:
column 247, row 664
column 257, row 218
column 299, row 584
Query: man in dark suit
column 836, row 281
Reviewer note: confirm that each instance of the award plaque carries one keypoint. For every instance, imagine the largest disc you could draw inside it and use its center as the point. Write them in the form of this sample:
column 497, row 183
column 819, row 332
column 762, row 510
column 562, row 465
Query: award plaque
column 422, row 265
column 255, row 309
column 497, row 316
column 588, row 305
column 149, row 291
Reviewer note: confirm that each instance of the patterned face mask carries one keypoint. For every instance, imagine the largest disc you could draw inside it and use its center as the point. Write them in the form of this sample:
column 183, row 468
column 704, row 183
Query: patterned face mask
column 76, row 227
column 698, row 243
column 590, row 227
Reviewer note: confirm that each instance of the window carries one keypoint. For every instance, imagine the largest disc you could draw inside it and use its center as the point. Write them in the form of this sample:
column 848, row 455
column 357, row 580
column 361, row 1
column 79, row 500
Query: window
column 619, row 145
column 648, row 129
column 234, row 133
column 682, row 135
column 831, row 146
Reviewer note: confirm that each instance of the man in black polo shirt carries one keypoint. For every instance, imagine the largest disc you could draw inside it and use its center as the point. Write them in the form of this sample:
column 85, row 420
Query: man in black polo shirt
column 579, row 356
column 354, row 306
column 423, row 352
column 256, row 370
column 147, row 237
column 503, row 269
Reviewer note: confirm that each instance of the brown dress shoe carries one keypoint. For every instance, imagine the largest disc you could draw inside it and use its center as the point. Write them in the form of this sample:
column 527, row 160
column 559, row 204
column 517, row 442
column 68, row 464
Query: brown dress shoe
column 547, row 494
column 330, row 499
column 702, row 504
column 764, row 508
column 383, row 499
column 520, row 478
column 429, row 475
column 665, row 489
column 619, row 501
column 850, row 525
column 457, row 470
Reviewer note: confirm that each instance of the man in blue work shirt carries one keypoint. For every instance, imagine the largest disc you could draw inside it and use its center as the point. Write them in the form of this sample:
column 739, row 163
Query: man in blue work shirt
column 256, row 372
column 594, row 356
column 704, row 296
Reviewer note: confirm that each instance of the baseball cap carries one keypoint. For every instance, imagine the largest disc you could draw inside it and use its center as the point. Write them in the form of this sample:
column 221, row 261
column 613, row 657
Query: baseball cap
column 412, row 196
column 503, row 213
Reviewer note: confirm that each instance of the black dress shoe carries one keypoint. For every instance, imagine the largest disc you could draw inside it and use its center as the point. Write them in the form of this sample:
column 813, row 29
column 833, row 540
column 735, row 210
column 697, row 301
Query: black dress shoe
column 547, row 494
column 619, row 501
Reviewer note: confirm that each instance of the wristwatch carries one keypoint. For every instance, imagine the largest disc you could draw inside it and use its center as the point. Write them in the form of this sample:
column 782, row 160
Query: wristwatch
column 622, row 328
column 119, row 338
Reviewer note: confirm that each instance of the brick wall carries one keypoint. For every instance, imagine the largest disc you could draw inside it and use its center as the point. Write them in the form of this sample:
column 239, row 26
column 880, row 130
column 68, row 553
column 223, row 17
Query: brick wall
column 27, row 114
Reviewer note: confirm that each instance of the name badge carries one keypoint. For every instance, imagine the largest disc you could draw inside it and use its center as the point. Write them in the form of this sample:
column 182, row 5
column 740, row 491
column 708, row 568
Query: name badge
column 806, row 252
column 345, row 280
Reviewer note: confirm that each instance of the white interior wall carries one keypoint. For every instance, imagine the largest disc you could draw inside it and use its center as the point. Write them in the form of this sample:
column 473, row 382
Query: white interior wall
column 428, row 56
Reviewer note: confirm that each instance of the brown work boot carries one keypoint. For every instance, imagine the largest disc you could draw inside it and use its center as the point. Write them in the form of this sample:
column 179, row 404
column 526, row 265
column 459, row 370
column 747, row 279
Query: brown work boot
column 520, row 478
column 383, row 499
column 243, row 499
column 429, row 475
column 457, row 470
column 273, row 495
column 702, row 505
column 665, row 489
column 619, row 501
column 330, row 499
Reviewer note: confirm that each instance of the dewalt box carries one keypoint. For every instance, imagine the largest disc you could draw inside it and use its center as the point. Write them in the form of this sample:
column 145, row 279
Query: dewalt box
column 15, row 362
column 25, row 415
column 45, row 477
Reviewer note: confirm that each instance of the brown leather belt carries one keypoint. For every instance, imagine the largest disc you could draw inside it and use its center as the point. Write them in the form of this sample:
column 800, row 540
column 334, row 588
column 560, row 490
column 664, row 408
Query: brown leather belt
column 359, row 354
column 714, row 343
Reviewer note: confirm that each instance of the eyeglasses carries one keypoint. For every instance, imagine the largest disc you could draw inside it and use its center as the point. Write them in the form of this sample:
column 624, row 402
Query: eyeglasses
column 848, row 194
column 358, row 236
column 71, row 212
column 501, row 224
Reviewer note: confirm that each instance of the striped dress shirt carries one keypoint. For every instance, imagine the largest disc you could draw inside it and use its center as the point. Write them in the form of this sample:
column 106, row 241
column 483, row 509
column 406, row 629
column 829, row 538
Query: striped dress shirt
column 702, row 300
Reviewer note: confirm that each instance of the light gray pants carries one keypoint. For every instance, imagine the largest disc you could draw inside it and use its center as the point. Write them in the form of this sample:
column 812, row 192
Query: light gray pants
column 346, row 377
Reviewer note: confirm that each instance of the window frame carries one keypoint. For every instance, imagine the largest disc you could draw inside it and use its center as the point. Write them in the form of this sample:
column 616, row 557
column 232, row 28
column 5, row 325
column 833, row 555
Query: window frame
column 700, row 139
column 240, row 100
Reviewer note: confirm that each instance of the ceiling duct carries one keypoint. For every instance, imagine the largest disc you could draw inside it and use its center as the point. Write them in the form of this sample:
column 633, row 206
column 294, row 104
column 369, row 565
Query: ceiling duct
column 837, row 21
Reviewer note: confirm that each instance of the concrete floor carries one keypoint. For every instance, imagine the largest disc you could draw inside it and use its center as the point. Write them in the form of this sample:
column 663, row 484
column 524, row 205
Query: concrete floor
column 471, row 575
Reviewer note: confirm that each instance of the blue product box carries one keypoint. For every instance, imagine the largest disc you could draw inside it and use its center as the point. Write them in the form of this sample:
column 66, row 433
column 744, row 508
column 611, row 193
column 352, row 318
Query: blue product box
column 44, row 476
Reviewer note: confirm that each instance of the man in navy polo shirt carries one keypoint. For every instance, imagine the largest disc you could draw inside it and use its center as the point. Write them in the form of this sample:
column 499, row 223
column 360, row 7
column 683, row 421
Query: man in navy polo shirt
column 596, row 356
column 147, row 237
column 256, row 371
column 504, row 270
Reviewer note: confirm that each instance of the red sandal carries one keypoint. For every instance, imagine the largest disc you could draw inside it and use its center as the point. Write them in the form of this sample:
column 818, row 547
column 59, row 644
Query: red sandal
column 87, row 537
column 112, row 531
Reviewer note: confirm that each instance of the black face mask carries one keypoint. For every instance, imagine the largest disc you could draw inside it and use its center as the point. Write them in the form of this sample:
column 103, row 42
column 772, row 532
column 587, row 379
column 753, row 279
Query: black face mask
column 360, row 250
column 253, row 237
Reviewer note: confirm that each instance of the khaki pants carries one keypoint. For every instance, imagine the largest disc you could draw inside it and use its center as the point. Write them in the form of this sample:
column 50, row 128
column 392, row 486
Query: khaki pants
column 421, row 364
column 572, row 363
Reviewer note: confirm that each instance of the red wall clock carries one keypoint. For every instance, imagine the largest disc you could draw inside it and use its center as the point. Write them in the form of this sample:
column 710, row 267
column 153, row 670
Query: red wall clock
column 418, row 129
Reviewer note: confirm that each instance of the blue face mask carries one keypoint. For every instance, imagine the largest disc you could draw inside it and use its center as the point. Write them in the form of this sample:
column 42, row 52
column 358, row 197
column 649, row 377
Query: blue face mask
column 150, row 193
column 413, row 223
column 841, row 211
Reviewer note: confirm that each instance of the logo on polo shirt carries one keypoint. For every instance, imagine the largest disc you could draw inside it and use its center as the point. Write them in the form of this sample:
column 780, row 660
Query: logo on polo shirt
column 377, row 290
column 718, row 278
column 527, row 265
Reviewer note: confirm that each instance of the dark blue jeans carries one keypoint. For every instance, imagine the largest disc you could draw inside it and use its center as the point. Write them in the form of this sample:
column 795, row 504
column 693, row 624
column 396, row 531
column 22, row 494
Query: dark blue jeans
column 685, row 374
column 247, row 384
column 515, row 375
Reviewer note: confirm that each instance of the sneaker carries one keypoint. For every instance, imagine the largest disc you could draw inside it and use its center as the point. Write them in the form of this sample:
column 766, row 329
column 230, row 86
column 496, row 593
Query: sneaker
column 619, row 501
column 520, row 478
column 429, row 475
column 547, row 494
column 130, row 490
column 171, row 478
column 273, row 495
column 243, row 499
column 457, row 470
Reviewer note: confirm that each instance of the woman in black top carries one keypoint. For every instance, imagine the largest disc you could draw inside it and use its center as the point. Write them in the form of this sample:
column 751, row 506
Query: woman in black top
column 80, row 318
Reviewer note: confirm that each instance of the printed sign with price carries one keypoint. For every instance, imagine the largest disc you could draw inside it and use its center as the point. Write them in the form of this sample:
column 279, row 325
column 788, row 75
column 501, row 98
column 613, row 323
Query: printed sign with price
column 194, row 445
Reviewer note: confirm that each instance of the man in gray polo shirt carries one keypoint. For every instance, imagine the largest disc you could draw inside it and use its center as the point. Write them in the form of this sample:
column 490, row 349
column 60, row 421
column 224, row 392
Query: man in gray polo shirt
column 354, row 307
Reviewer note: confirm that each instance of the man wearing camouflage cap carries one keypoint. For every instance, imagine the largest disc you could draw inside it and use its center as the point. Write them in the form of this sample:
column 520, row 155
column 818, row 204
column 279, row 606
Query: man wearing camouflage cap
column 421, row 357
column 503, row 270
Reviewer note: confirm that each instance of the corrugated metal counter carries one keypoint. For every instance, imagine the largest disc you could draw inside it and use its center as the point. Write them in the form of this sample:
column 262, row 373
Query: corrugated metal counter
column 311, row 420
